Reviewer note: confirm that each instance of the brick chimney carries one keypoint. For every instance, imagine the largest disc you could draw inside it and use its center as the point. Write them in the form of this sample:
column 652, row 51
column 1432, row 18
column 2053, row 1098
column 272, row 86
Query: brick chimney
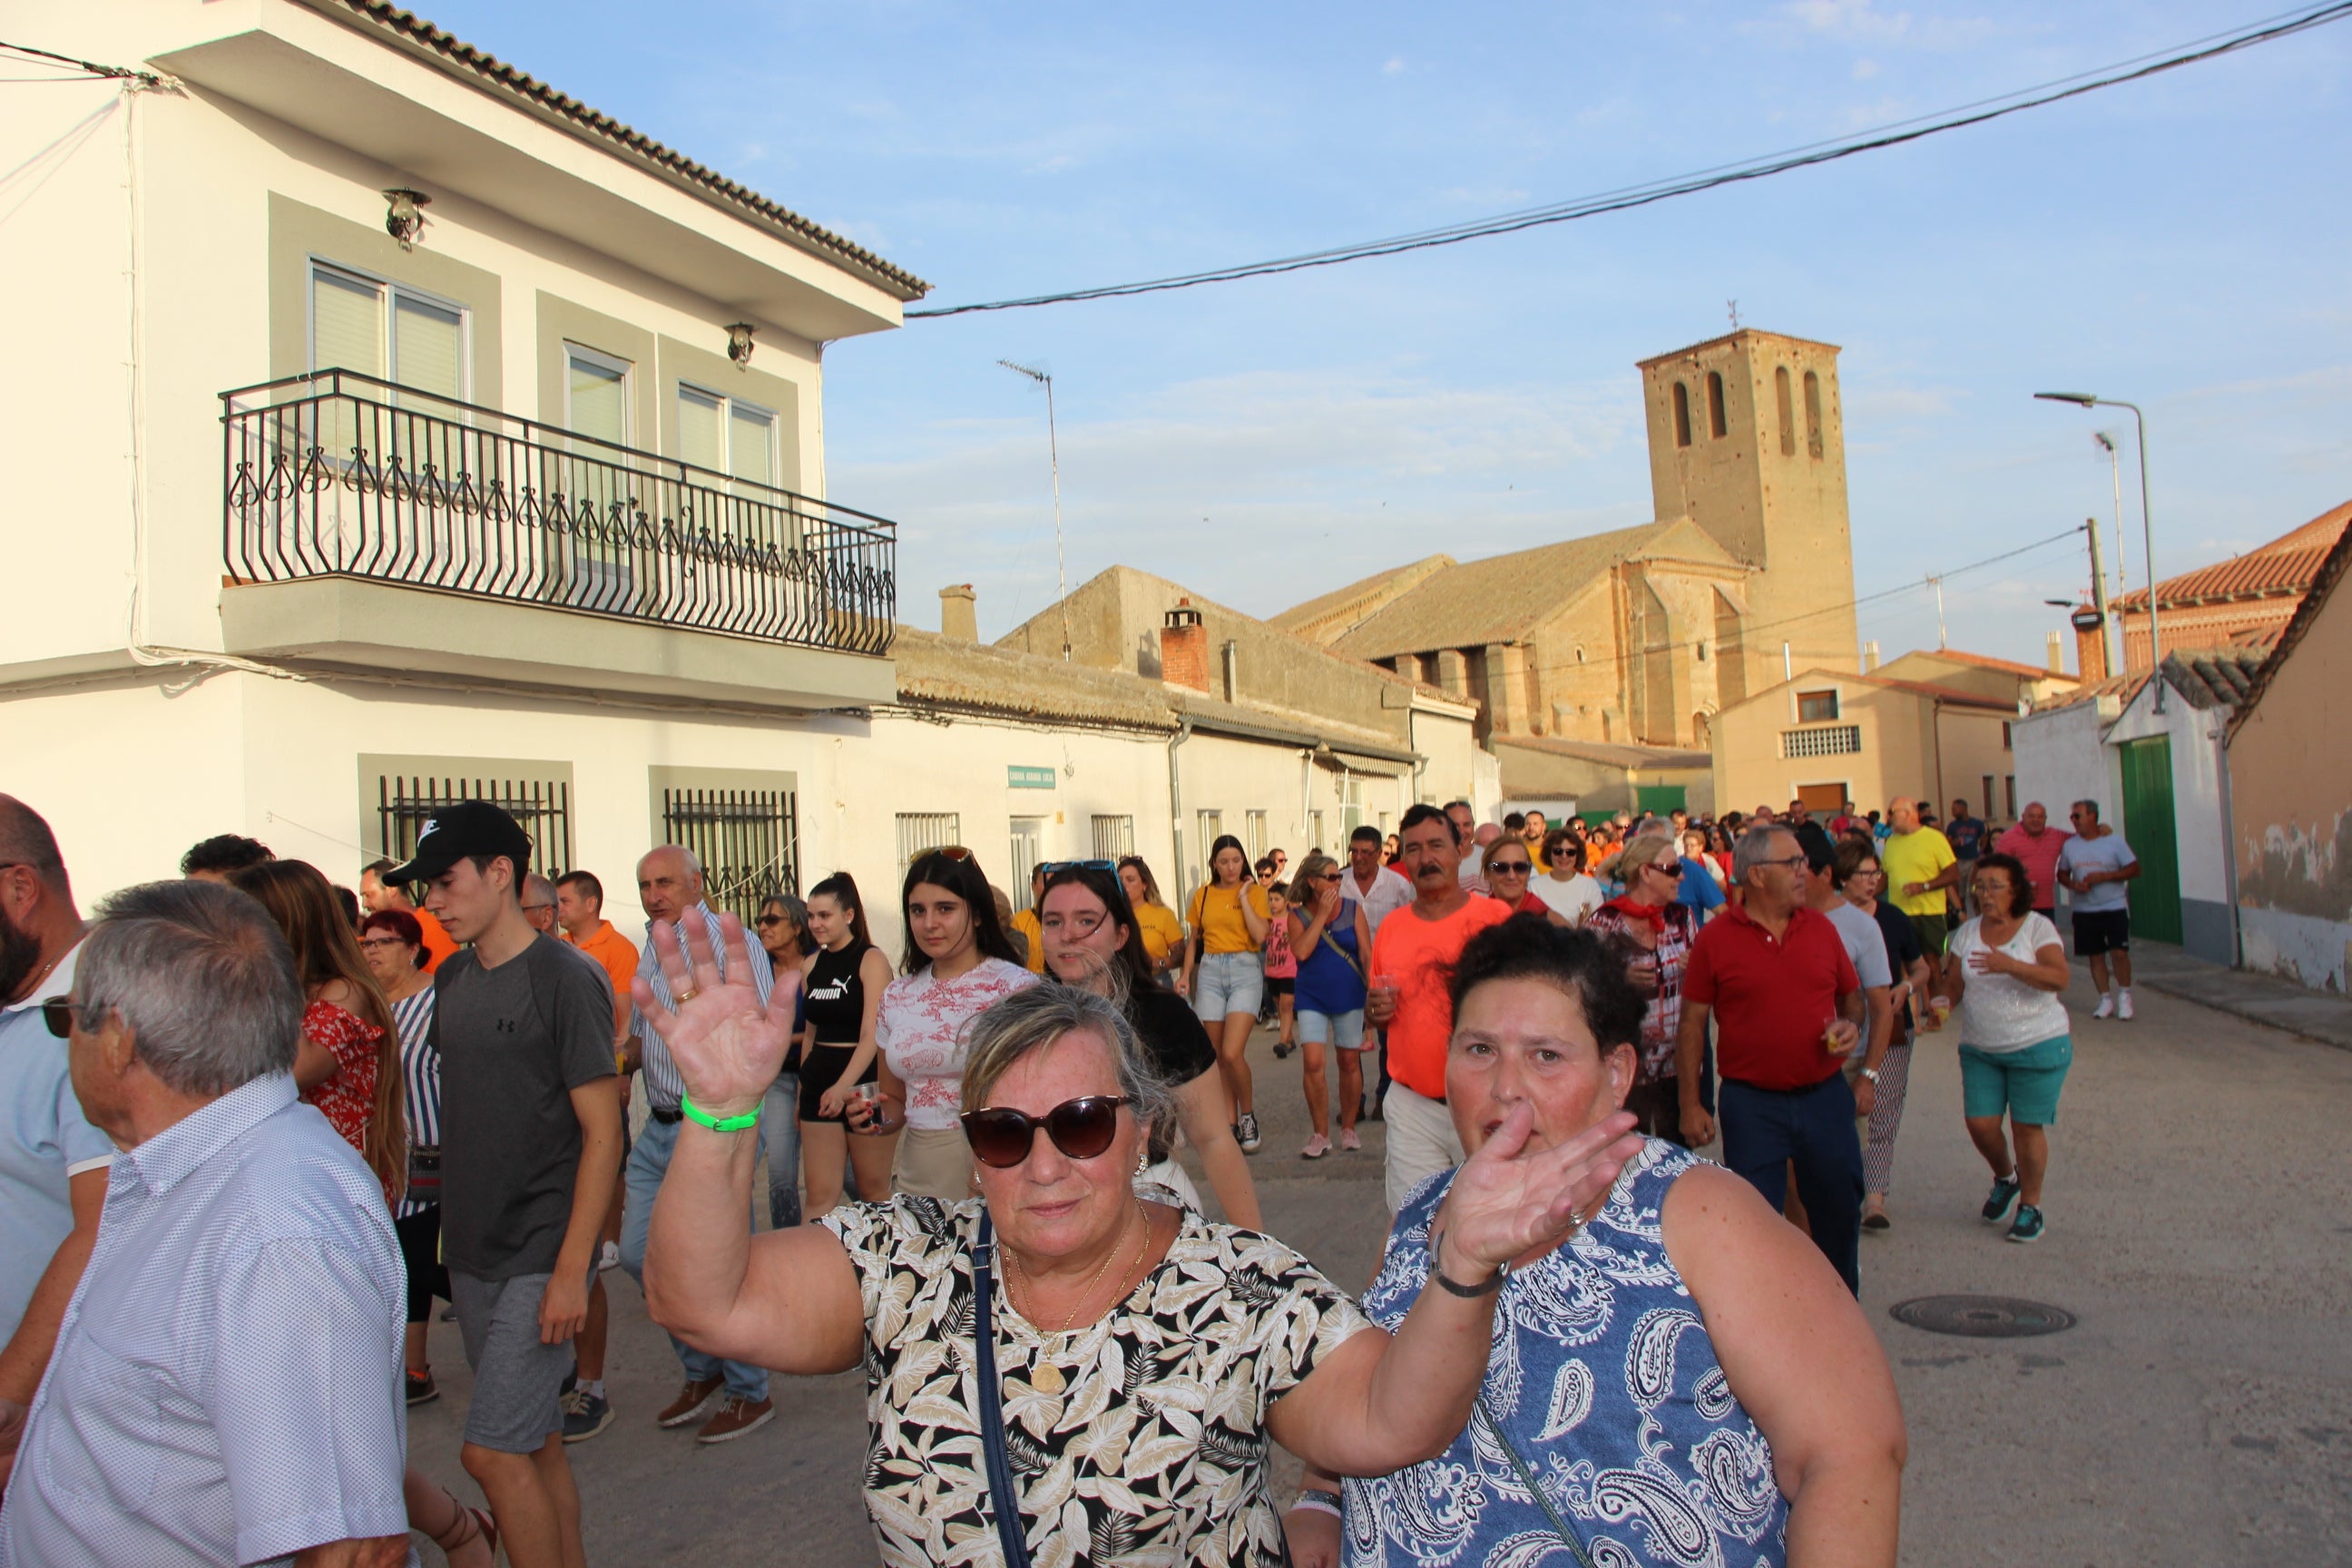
column 1184, row 647
column 2090, row 645
column 958, row 616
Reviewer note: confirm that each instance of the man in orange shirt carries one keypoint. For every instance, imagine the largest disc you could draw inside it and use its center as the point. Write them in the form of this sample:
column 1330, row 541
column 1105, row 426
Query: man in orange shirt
column 376, row 895
column 1412, row 953
column 580, row 921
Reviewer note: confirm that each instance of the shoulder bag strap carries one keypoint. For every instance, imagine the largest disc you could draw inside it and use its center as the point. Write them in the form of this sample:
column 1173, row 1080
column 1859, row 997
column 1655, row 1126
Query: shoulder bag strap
column 1527, row 1480
column 1342, row 952
column 1002, row 1502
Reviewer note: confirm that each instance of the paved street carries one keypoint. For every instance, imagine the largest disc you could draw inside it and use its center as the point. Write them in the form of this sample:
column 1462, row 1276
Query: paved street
column 2201, row 1411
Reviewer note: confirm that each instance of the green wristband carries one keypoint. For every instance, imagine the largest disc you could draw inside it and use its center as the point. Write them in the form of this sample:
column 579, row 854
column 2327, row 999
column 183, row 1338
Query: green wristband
column 742, row 1123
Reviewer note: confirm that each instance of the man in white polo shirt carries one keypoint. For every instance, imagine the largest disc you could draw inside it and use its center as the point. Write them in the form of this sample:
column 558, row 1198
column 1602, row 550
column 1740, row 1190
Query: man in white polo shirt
column 52, row 1163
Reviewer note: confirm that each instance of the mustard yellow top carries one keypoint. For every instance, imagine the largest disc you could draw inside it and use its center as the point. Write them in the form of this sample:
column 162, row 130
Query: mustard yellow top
column 1217, row 917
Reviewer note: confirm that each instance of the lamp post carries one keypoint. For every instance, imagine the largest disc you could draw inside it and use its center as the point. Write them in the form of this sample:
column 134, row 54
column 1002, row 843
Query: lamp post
column 1053, row 456
column 2146, row 524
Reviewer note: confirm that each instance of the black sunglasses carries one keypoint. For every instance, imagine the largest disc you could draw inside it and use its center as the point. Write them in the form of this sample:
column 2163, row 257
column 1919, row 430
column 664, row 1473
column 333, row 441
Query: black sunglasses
column 1081, row 1129
column 1510, row 868
column 58, row 1013
column 1674, row 870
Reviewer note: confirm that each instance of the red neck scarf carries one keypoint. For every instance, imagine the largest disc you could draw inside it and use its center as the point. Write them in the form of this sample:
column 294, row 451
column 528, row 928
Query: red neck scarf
column 1633, row 908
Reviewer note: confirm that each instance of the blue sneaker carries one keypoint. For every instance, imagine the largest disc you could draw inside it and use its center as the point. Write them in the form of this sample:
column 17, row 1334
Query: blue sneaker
column 2028, row 1227
column 2004, row 1193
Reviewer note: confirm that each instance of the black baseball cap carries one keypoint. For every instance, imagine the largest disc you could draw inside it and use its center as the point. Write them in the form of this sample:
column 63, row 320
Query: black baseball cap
column 455, row 832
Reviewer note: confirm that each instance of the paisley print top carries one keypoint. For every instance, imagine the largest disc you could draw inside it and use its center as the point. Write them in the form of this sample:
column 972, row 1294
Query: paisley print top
column 1604, row 1378
column 1152, row 1450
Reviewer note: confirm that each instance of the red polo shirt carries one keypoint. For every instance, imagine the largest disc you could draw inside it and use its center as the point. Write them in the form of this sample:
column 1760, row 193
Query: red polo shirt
column 1771, row 996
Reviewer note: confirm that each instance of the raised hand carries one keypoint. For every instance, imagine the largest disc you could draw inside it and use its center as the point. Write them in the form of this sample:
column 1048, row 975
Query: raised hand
column 728, row 1047
column 1509, row 1199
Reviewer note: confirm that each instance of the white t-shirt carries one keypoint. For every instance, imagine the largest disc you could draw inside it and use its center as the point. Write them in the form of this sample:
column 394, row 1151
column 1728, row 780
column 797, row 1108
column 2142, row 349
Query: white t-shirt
column 920, row 1030
column 2000, row 1012
column 1390, row 892
column 1571, row 901
column 2107, row 852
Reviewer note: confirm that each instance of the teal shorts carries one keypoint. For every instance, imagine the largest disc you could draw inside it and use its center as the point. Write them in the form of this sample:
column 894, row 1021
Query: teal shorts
column 2023, row 1083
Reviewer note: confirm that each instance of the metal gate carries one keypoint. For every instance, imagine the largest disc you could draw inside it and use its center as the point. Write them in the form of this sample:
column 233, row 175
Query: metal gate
column 2147, row 827
column 404, row 804
column 747, row 839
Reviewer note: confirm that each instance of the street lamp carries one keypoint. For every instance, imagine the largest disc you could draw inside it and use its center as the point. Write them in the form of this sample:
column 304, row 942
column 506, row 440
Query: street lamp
column 1053, row 456
column 2146, row 524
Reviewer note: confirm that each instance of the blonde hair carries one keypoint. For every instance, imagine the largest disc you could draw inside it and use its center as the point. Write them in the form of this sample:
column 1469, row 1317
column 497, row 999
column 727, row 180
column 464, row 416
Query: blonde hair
column 1640, row 850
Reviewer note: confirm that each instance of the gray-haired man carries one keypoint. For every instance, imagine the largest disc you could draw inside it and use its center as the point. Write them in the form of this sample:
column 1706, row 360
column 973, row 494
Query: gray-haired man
column 227, row 1385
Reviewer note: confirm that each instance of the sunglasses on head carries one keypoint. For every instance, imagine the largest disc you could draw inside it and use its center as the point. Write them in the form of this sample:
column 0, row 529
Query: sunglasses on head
column 1050, row 866
column 1081, row 1129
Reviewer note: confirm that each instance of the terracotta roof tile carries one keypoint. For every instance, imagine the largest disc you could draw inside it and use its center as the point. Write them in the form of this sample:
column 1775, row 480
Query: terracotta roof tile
column 2285, row 567
column 498, row 76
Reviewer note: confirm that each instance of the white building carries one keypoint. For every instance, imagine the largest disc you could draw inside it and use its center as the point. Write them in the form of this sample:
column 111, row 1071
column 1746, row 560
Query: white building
column 392, row 428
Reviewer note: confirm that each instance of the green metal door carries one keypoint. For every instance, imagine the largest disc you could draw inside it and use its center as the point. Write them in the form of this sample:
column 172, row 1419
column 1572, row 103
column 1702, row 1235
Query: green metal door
column 1660, row 798
column 2147, row 827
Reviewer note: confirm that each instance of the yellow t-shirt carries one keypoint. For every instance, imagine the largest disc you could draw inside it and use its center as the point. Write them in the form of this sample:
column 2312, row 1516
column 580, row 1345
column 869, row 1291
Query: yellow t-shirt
column 1161, row 930
column 1217, row 917
column 1919, row 856
column 1025, row 923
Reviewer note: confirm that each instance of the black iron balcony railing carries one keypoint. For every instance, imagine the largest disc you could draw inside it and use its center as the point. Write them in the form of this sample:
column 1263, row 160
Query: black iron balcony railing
column 340, row 474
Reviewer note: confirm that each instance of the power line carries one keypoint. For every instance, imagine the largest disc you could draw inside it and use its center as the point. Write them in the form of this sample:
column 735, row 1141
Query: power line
column 1900, row 132
column 87, row 68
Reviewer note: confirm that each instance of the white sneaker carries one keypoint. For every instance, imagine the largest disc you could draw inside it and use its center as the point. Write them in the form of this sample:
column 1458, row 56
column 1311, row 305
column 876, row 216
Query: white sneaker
column 2122, row 1006
column 2106, row 1007
column 610, row 1258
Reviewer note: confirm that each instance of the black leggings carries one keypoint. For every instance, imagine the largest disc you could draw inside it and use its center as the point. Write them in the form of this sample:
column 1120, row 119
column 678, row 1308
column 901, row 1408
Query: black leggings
column 420, row 1251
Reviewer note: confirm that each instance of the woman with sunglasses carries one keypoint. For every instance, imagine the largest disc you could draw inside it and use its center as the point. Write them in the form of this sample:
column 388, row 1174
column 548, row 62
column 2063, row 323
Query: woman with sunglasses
column 1224, row 974
column 958, row 962
column 1654, row 930
column 1565, row 889
column 1333, row 942
column 1508, row 868
column 1143, row 1354
column 844, row 978
column 392, row 942
column 1162, row 932
column 1094, row 941
column 1686, row 1375
column 783, row 929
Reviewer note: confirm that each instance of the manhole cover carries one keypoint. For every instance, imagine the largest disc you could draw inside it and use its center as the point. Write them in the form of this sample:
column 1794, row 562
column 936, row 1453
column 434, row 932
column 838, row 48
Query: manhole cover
column 1982, row 1316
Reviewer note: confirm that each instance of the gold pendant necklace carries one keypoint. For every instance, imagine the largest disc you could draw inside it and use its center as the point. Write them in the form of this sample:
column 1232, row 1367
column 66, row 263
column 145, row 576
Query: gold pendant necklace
column 1046, row 1378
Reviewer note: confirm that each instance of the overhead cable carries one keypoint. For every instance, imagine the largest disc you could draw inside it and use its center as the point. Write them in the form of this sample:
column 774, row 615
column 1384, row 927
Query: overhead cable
column 1894, row 134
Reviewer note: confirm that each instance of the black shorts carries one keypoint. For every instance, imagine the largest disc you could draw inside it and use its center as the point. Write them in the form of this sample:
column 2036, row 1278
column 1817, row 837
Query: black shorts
column 2101, row 931
column 821, row 1068
column 1281, row 985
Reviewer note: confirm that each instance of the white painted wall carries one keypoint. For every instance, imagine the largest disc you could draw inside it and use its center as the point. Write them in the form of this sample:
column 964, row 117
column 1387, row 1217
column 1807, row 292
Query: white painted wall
column 2060, row 759
column 2199, row 826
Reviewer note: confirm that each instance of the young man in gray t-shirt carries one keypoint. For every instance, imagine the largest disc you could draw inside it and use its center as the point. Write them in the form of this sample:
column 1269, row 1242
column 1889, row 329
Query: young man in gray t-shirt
column 2092, row 866
column 531, row 1144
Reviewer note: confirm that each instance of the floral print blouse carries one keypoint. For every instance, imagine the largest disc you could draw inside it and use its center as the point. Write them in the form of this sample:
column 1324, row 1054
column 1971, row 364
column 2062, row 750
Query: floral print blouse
column 1146, row 1444
column 348, row 1098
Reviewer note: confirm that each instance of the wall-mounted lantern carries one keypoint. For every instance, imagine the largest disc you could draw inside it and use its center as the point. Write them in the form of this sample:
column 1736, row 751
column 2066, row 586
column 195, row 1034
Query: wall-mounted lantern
column 403, row 216
column 739, row 342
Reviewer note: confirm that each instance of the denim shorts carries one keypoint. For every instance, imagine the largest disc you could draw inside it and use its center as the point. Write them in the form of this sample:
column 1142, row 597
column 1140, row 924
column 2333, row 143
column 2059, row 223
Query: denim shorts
column 2024, row 1083
column 1227, row 982
column 1345, row 1030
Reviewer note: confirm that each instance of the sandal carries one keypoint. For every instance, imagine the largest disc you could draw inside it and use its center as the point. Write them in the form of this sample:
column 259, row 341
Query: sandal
column 473, row 1524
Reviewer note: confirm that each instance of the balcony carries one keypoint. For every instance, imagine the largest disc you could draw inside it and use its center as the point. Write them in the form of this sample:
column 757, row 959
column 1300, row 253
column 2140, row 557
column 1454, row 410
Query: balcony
column 339, row 475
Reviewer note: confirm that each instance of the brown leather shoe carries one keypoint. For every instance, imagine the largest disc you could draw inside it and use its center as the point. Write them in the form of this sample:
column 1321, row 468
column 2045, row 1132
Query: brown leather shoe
column 690, row 1401
column 735, row 1417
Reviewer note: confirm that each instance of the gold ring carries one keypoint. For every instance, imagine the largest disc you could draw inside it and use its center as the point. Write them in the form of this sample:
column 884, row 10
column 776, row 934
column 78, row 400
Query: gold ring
column 688, row 995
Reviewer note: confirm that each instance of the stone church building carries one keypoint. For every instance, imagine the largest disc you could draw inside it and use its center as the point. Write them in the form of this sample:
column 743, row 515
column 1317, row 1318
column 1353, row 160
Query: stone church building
column 1620, row 648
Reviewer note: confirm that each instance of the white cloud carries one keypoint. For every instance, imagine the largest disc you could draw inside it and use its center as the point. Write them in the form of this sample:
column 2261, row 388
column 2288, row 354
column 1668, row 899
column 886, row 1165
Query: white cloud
column 1850, row 19
column 1863, row 71
column 1395, row 66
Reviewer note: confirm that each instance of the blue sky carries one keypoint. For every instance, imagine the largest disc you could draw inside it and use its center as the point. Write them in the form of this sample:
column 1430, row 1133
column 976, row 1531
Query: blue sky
column 2181, row 242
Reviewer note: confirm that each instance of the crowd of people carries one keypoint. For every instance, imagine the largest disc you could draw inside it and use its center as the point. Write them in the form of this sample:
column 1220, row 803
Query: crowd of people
column 249, row 1107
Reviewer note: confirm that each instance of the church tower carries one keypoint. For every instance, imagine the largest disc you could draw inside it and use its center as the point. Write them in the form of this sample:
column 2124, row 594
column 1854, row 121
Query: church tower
column 1747, row 441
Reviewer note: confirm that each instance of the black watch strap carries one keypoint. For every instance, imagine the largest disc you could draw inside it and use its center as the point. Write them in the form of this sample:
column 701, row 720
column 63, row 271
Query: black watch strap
column 1487, row 1287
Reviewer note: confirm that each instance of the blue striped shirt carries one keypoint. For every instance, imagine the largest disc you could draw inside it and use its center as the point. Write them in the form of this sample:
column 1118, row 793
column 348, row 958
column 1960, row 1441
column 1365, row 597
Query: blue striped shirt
column 663, row 1086
column 226, row 1386
column 420, row 1073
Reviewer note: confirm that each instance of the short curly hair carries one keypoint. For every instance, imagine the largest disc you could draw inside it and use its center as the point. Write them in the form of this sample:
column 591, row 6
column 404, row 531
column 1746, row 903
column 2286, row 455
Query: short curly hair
column 1583, row 964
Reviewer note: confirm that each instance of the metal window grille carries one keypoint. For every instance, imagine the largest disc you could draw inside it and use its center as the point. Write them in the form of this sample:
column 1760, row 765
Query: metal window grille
column 747, row 839
column 1254, row 835
column 1831, row 741
column 1114, row 837
column 920, row 831
column 405, row 803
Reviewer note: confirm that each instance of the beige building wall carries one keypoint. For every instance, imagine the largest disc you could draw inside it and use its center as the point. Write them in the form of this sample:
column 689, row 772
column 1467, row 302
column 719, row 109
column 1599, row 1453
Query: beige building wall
column 1771, row 488
column 1907, row 743
column 2291, row 807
